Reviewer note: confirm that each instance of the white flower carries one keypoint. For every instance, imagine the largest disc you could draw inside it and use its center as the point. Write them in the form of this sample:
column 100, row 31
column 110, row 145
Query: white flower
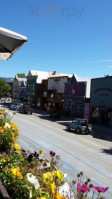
column 8, row 114
column 65, row 175
column 7, row 125
column 33, row 180
column 64, row 190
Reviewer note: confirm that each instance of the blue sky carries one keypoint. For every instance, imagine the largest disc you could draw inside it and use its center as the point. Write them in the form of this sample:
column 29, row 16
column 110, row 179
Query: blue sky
column 68, row 36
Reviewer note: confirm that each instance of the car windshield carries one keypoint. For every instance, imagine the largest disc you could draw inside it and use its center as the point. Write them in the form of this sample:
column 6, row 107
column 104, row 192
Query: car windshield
column 74, row 121
column 83, row 122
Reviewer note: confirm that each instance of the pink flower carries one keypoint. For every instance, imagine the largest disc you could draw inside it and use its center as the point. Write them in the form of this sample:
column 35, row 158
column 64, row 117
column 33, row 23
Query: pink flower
column 83, row 188
column 101, row 189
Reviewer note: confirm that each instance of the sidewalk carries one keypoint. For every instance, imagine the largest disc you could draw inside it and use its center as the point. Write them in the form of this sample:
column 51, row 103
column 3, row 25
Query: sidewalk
column 102, row 132
column 103, row 129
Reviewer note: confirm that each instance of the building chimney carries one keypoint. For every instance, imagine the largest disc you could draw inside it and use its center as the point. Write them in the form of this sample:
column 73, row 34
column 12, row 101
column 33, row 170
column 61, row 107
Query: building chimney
column 54, row 73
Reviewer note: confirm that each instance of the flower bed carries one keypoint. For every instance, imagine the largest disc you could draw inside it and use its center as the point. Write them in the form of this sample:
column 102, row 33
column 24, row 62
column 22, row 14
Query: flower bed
column 30, row 175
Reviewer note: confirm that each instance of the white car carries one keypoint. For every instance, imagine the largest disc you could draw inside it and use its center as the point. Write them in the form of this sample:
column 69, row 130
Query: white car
column 80, row 126
column 8, row 99
column 2, row 99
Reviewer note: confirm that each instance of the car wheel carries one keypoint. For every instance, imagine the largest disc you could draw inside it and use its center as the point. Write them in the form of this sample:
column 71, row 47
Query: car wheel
column 68, row 128
column 78, row 130
column 87, row 131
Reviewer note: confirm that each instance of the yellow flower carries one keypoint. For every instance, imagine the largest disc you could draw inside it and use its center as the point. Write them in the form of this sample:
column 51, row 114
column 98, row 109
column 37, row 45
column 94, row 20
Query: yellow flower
column 12, row 134
column 16, row 147
column 53, row 188
column 58, row 196
column 13, row 125
column 42, row 197
column 19, row 175
column 1, row 130
column 41, row 152
column 48, row 178
column 1, row 111
column 16, row 172
column 5, row 169
column 2, row 160
column 13, row 139
column 58, row 175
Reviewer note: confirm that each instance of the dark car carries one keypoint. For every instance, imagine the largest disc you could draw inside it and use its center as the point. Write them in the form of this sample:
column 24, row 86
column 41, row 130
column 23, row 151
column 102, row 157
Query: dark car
column 25, row 109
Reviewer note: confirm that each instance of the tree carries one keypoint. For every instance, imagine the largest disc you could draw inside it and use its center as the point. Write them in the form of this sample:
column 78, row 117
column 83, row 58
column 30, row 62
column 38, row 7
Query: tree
column 21, row 75
column 5, row 88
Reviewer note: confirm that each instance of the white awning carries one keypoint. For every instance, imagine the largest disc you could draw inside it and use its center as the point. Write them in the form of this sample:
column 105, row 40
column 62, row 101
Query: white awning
column 10, row 42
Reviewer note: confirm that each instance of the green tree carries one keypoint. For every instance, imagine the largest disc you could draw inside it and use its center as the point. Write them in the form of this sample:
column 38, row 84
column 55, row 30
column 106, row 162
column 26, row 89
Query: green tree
column 21, row 75
column 5, row 88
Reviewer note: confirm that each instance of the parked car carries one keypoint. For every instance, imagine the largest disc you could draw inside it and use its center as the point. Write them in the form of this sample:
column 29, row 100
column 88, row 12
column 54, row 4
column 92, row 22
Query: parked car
column 80, row 126
column 8, row 99
column 25, row 109
column 2, row 99
column 16, row 106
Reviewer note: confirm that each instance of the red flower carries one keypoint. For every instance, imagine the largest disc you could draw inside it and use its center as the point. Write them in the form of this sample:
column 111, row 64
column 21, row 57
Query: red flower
column 83, row 188
column 101, row 189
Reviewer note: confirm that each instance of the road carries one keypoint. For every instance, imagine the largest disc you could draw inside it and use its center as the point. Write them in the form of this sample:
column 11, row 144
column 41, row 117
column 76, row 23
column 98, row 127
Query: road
column 78, row 152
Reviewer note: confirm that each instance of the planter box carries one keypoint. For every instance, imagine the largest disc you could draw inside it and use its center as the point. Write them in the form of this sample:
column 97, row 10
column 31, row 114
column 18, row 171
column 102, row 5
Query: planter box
column 3, row 192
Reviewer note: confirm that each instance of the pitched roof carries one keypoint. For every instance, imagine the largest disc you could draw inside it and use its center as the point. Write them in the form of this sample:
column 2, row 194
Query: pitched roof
column 85, row 79
column 40, row 75
column 45, row 75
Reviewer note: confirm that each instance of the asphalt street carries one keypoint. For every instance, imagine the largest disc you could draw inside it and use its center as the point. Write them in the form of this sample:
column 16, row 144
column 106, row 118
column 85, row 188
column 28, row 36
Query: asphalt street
column 91, row 154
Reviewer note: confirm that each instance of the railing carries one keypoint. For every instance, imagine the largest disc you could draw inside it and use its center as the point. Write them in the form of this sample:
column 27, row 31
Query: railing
column 3, row 192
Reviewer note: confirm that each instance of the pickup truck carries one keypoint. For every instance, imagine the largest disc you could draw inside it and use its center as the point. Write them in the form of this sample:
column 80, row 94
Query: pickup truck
column 80, row 126
column 25, row 109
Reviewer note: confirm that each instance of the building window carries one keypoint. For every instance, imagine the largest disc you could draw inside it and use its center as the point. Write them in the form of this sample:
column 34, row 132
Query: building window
column 73, row 91
column 30, row 87
column 57, row 79
column 45, row 94
column 33, row 87
column 79, row 107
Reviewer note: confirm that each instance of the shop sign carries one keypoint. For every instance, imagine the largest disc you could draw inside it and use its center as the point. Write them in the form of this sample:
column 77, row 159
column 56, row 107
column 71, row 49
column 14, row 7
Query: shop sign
column 103, row 89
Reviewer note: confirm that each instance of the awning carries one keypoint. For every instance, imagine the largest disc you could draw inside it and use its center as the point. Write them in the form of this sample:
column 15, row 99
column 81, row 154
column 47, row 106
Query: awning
column 10, row 42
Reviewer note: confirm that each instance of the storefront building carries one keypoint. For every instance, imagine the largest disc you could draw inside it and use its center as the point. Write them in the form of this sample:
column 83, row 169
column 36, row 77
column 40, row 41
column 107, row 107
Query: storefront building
column 34, row 78
column 101, row 100
column 19, row 88
column 76, row 97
